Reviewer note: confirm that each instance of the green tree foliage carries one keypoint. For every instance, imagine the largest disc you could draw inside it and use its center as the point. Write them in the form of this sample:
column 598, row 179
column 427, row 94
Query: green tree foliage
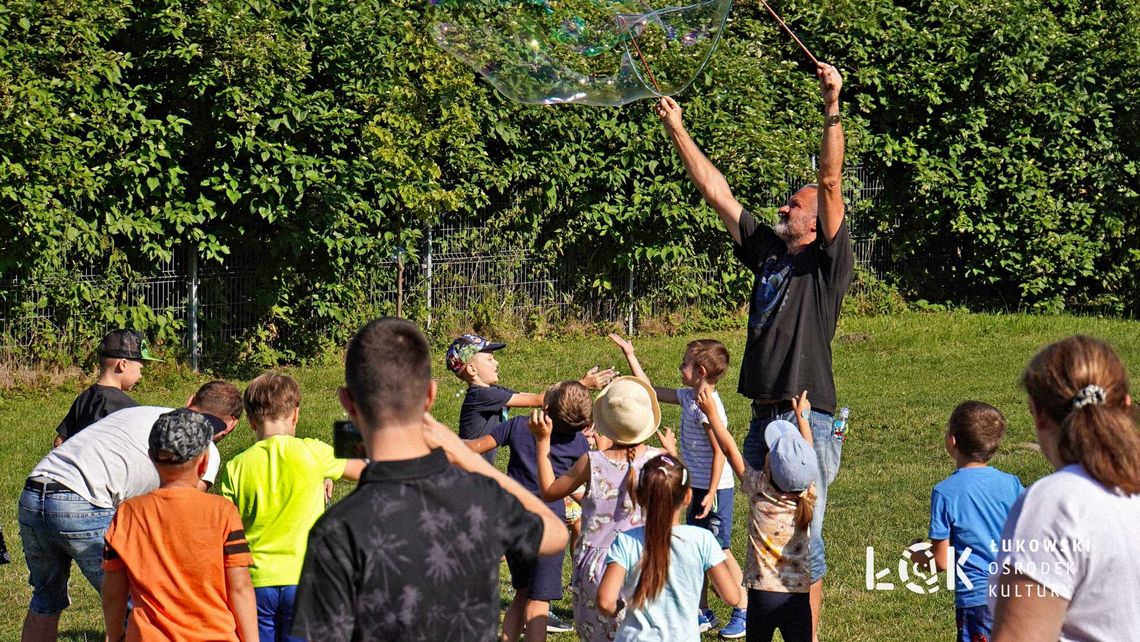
column 1009, row 133
column 316, row 137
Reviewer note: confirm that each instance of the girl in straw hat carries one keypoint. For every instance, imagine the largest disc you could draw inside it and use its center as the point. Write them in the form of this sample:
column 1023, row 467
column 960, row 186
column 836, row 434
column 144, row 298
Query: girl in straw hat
column 626, row 415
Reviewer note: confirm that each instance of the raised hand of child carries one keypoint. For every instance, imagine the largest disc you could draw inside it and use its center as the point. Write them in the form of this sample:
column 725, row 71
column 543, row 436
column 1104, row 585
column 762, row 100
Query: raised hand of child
column 668, row 441
column 596, row 379
column 705, row 399
column 802, row 406
column 626, row 346
column 540, row 425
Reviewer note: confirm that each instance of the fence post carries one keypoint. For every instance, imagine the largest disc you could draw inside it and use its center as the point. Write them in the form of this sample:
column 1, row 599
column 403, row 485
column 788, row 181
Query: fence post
column 427, row 270
column 192, row 308
column 632, row 304
column 400, row 282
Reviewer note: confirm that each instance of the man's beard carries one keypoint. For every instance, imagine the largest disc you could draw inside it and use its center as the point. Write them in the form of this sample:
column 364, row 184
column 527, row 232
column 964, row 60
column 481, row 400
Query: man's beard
column 787, row 232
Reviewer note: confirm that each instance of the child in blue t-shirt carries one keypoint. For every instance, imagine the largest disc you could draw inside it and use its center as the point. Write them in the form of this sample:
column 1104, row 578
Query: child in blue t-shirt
column 537, row 583
column 967, row 512
column 704, row 363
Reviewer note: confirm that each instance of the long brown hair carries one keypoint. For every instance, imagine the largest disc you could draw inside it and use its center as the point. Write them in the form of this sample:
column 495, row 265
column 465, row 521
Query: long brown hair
column 805, row 508
column 660, row 492
column 1081, row 385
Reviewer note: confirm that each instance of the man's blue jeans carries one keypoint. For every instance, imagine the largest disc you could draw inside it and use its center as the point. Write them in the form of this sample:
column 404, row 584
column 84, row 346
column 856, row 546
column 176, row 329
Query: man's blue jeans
column 58, row 526
column 828, row 449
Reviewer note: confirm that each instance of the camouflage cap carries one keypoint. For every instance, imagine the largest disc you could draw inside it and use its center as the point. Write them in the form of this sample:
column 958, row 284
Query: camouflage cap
column 125, row 344
column 467, row 346
column 179, row 436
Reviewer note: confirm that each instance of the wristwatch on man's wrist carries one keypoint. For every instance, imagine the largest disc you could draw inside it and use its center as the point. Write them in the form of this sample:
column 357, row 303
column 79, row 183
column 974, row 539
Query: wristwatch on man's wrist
column 831, row 120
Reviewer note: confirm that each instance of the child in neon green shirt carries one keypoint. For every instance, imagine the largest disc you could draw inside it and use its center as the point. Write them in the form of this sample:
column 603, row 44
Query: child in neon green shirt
column 277, row 485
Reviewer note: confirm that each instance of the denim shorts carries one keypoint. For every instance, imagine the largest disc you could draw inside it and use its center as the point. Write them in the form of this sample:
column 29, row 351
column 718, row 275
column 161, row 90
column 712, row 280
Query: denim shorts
column 58, row 526
column 719, row 519
column 828, row 449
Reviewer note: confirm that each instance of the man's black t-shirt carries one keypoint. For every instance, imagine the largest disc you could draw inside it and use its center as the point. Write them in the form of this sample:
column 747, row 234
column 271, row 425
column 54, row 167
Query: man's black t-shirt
column 92, row 405
column 792, row 315
column 483, row 408
column 412, row 554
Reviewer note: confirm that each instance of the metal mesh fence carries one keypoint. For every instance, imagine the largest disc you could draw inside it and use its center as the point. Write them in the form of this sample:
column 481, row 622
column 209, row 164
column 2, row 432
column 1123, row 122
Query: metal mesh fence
column 466, row 274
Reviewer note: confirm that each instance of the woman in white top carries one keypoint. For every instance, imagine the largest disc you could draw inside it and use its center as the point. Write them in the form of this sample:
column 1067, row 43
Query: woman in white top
column 1067, row 568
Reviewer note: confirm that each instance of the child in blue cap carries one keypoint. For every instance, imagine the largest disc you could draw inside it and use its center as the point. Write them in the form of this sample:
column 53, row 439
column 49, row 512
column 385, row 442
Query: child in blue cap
column 781, row 499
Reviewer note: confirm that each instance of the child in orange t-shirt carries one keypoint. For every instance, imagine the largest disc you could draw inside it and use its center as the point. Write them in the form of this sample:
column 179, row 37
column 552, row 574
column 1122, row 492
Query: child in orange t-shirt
column 176, row 538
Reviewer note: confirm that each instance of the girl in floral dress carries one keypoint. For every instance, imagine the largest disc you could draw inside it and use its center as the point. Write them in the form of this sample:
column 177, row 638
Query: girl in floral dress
column 626, row 415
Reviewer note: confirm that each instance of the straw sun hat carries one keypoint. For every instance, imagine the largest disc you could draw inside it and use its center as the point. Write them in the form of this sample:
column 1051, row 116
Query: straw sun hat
column 626, row 411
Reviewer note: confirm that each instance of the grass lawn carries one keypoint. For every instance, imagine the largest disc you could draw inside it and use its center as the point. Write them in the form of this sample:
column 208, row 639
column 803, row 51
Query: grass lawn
column 900, row 376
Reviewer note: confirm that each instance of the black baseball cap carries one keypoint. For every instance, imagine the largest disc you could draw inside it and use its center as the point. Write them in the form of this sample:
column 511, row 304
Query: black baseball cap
column 125, row 344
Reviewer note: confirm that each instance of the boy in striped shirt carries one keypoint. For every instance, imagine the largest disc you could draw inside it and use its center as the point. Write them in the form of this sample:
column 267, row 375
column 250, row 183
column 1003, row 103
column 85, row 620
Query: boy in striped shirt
column 704, row 363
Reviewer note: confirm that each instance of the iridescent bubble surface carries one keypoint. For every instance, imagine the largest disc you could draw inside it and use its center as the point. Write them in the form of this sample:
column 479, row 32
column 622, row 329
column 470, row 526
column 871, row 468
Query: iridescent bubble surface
column 594, row 52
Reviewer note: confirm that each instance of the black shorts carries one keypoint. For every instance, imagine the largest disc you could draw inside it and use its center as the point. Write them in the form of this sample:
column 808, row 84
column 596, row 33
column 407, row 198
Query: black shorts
column 542, row 577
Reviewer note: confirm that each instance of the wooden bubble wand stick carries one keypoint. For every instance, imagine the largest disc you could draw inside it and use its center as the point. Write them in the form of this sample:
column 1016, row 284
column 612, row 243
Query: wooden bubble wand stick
column 644, row 64
column 790, row 32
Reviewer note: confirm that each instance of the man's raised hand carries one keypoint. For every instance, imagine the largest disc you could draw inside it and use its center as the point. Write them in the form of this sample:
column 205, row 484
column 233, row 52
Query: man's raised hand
column 670, row 114
column 830, row 82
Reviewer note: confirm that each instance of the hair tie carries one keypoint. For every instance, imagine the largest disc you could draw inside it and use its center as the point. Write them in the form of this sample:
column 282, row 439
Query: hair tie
column 673, row 462
column 1091, row 394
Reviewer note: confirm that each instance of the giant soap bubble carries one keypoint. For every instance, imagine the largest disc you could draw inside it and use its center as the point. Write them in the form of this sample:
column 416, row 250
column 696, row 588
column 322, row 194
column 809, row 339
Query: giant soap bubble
column 594, row 52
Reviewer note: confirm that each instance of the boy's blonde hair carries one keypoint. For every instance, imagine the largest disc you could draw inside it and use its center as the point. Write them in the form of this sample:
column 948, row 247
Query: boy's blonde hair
column 271, row 397
column 709, row 354
column 569, row 406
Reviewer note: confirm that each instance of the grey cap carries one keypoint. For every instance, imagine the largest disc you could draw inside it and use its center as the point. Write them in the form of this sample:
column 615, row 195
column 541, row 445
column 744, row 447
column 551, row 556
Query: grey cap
column 179, row 436
column 791, row 458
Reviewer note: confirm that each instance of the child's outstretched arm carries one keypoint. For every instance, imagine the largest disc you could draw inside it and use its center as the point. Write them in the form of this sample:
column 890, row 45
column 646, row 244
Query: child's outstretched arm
column 525, row 400
column 550, row 488
column 723, row 438
column 669, row 442
column 353, row 468
column 664, row 395
column 554, row 534
column 802, row 406
column 594, row 379
column 242, row 601
column 481, row 445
